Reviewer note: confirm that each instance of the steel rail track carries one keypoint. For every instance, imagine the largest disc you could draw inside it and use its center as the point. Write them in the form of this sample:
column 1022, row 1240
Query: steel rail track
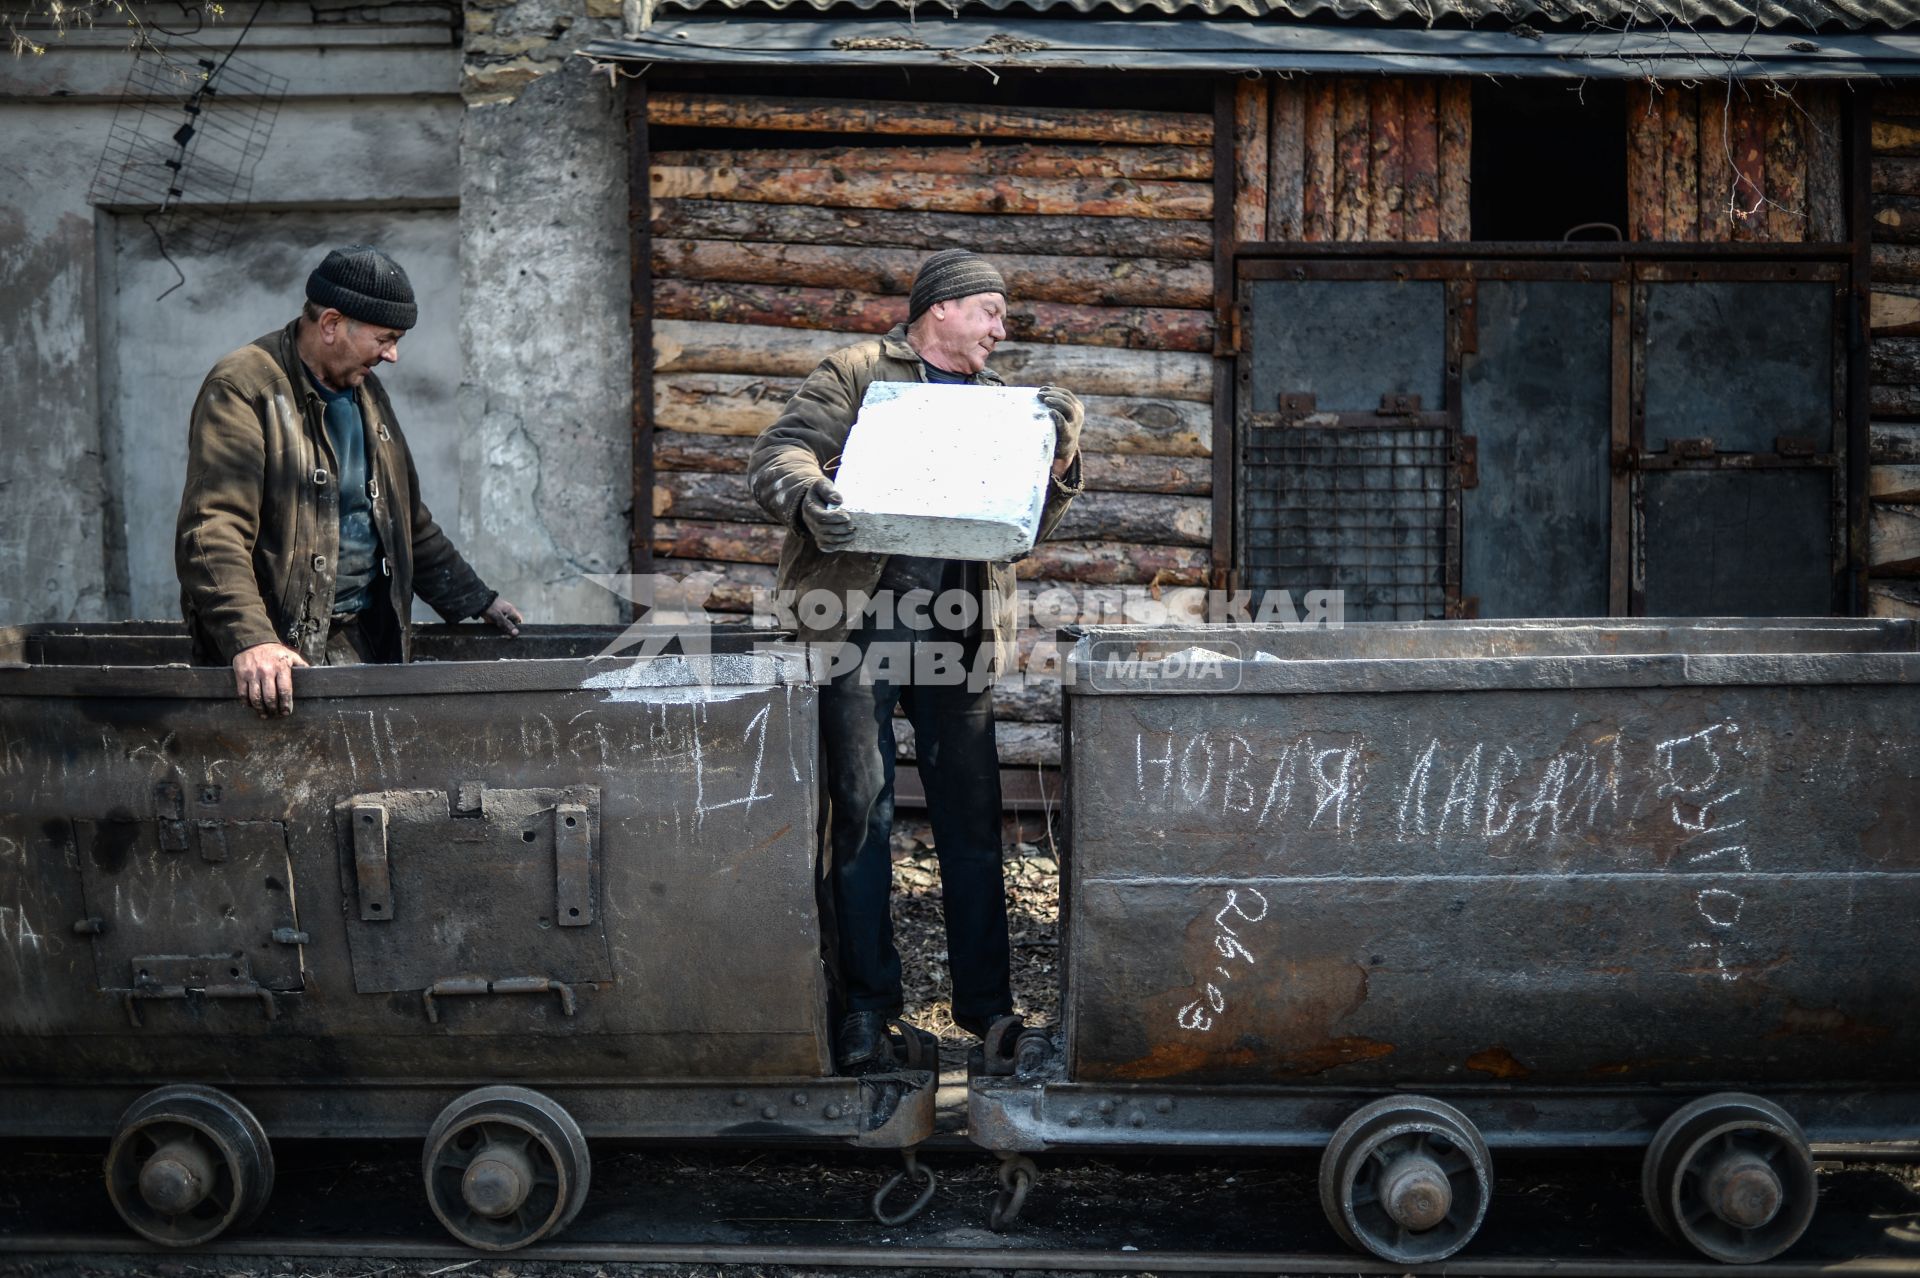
column 1067, row 1259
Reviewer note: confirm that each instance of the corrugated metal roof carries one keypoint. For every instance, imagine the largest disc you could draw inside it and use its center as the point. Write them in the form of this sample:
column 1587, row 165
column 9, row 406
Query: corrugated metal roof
column 1639, row 15
column 1248, row 45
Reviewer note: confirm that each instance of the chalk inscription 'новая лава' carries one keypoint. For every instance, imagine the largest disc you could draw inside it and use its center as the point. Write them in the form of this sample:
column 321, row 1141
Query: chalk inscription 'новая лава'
column 1476, row 789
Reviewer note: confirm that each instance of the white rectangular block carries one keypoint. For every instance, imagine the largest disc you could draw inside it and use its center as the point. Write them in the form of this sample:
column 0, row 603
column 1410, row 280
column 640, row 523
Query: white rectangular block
column 952, row 472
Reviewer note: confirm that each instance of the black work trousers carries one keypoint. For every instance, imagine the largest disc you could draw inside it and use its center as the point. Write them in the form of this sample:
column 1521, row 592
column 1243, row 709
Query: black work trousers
column 960, row 769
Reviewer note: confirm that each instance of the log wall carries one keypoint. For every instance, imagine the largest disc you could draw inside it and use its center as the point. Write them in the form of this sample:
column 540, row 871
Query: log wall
column 1734, row 161
column 1893, row 486
column 1385, row 159
column 768, row 257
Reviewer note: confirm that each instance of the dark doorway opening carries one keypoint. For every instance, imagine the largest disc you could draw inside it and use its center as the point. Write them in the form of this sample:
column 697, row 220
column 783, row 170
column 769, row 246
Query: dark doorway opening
column 1549, row 157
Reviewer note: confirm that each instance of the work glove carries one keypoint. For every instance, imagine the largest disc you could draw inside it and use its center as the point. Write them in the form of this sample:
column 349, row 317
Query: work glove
column 820, row 511
column 1069, row 415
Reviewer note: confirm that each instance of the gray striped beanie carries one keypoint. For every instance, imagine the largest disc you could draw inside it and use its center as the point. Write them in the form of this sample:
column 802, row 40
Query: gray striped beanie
column 949, row 274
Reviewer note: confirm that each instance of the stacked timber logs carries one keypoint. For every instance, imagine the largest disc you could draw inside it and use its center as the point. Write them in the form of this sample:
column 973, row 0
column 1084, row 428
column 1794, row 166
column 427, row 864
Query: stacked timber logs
column 1734, row 161
column 1385, row 159
column 768, row 257
column 1894, row 479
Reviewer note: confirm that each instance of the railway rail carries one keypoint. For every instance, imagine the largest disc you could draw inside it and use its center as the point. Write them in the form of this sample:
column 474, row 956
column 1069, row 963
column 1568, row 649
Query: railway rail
column 1160, row 1214
column 1053, row 1259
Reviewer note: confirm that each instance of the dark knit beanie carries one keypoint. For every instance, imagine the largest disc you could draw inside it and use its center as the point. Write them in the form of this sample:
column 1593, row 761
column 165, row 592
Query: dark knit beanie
column 952, row 273
column 365, row 284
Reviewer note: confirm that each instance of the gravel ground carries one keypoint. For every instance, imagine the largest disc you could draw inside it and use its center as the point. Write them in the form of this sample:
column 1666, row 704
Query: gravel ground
column 1033, row 916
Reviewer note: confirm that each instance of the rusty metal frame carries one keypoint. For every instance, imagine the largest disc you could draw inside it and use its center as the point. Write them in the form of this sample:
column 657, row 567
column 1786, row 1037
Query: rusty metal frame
column 1023, row 788
column 640, row 255
column 1227, row 344
column 1857, row 165
column 1739, row 461
column 1049, row 1113
column 1762, row 271
column 88, row 659
column 1636, row 447
column 1544, row 250
column 1462, row 338
column 1824, row 265
column 1385, row 419
column 1457, row 266
column 1620, row 541
column 1847, row 502
column 884, row 1111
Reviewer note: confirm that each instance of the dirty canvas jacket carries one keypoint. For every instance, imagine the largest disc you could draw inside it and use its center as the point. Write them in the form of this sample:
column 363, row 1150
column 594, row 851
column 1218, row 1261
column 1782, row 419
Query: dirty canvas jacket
column 257, row 542
column 804, row 444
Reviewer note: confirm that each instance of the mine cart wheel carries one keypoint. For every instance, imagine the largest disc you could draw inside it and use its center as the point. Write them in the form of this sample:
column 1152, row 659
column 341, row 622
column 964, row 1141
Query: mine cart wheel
column 505, row 1166
column 1731, row 1176
column 187, row 1164
column 1406, row 1178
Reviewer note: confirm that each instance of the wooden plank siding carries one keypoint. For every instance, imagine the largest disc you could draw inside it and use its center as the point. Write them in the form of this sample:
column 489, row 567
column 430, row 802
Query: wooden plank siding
column 1250, row 155
column 1649, row 120
column 1379, row 159
column 768, row 254
column 1733, row 161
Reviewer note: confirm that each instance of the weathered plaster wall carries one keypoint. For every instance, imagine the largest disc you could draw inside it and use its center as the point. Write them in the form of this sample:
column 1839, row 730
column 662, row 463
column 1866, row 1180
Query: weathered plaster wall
column 515, row 389
column 52, row 489
column 546, row 390
column 101, row 370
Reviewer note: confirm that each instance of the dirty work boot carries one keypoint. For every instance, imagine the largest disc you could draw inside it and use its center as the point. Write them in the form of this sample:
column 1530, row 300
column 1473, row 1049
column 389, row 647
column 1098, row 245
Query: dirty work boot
column 861, row 1046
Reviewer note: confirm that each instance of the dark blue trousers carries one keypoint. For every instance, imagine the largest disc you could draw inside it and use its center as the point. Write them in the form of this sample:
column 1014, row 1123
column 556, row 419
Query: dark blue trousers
column 960, row 769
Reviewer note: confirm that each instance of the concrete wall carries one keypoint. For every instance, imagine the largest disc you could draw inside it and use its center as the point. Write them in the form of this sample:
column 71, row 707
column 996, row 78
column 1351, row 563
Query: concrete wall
column 546, row 392
column 514, row 389
column 53, row 497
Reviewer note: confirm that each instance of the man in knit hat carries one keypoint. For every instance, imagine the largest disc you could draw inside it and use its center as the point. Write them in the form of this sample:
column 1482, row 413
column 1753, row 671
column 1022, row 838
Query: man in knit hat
column 302, row 538
column 956, row 316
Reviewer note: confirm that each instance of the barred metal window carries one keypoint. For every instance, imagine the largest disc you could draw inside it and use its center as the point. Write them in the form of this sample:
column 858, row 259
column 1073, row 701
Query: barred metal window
column 1356, row 509
column 1344, row 444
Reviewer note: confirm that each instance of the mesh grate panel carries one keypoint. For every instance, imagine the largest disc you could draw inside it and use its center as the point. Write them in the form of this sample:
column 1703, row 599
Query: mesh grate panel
column 1358, row 510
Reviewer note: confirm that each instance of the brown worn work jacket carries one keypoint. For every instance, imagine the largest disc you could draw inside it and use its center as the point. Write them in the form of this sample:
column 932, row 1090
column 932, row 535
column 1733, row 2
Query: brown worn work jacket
column 258, row 537
column 804, row 444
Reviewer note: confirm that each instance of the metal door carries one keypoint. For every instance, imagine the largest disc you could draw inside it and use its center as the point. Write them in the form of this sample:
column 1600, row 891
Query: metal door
column 1536, row 421
column 1551, row 438
column 1739, row 448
